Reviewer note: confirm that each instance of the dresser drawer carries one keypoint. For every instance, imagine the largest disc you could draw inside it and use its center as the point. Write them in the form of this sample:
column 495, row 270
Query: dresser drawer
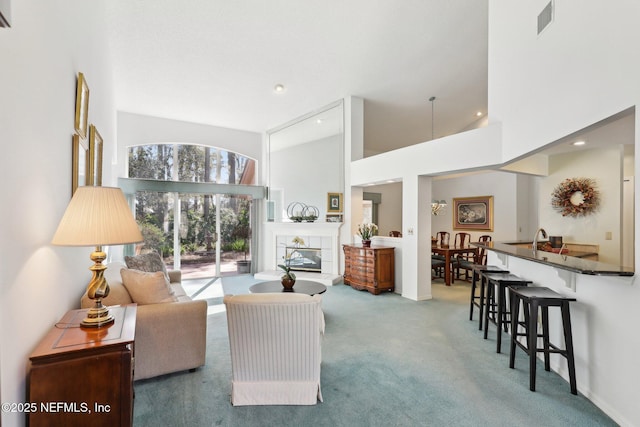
column 364, row 262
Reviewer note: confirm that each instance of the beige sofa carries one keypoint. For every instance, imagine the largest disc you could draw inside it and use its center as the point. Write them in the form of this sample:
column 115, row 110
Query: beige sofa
column 170, row 337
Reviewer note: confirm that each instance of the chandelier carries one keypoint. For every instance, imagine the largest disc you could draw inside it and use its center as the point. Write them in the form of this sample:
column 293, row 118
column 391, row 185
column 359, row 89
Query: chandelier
column 437, row 207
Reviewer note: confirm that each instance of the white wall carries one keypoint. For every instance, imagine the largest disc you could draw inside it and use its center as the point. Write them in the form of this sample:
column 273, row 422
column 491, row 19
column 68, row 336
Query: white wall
column 605, row 168
column 47, row 45
column 390, row 207
column 481, row 147
column 581, row 69
column 307, row 172
column 501, row 185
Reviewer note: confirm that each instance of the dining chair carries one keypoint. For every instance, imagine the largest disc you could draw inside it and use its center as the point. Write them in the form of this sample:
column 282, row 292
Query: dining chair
column 461, row 239
column 467, row 261
column 442, row 237
column 437, row 260
column 437, row 265
column 395, row 233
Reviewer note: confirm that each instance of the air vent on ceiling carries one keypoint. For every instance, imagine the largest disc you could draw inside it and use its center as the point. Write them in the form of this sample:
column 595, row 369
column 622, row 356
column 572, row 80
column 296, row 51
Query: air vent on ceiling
column 545, row 17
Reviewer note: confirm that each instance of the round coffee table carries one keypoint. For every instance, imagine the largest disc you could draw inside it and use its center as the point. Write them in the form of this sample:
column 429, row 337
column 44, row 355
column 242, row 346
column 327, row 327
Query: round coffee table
column 301, row 287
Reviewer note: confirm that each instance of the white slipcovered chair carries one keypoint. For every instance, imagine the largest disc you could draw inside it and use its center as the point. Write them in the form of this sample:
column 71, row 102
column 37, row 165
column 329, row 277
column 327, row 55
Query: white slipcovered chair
column 275, row 348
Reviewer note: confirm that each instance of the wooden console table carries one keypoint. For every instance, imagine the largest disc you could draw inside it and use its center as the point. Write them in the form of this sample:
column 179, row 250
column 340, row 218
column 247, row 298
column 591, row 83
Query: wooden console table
column 372, row 269
column 84, row 376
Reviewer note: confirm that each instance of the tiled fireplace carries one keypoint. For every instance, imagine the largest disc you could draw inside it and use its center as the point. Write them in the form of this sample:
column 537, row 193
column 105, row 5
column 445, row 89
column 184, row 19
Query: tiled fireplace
column 323, row 236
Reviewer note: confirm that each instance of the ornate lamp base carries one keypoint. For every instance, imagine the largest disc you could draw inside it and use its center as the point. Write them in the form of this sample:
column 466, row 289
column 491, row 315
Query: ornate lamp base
column 98, row 288
column 97, row 316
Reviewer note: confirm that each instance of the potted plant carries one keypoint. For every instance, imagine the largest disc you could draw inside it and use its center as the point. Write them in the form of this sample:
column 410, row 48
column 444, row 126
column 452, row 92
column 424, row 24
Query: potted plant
column 288, row 279
column 366, row 231
column 242, row 265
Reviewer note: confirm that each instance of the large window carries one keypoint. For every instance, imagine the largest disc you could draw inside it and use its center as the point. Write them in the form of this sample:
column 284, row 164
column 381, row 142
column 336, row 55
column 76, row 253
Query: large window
column 193, row 163
column 204, row 234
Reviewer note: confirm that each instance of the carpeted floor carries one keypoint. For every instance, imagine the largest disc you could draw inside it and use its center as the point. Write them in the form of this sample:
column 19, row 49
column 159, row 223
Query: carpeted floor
column 387, row 361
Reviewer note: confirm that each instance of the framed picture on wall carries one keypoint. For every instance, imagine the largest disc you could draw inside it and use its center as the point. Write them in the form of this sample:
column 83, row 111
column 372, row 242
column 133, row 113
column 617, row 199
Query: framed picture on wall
column 80, row 163
column 473, row 213
column 95, row 154
column 334, row 202
column 82, row 106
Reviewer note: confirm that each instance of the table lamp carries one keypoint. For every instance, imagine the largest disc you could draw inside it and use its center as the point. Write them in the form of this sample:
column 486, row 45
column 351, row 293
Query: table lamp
column 97, row 216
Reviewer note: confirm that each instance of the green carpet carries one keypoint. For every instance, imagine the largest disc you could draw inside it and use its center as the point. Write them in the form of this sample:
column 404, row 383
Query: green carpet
column 387, row 361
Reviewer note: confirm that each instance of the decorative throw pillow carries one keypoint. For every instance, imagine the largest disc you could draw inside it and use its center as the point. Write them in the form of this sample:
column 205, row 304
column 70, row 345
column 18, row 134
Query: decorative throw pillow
column 147, row 287
column 148, row 262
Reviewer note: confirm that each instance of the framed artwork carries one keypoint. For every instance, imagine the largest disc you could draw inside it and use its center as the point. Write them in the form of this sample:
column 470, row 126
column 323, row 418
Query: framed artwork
column 82, row 106
column 95, row 155
column 473, row 213
column 334, row 202
column 80, row 163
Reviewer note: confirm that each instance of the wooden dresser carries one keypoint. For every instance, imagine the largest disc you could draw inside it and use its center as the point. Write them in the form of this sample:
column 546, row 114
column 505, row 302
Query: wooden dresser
column 84, row 376
column 371, row 268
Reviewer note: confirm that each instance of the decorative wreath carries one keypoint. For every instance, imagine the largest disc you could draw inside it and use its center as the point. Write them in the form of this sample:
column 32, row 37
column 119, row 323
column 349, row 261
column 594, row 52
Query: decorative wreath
column 563, row 193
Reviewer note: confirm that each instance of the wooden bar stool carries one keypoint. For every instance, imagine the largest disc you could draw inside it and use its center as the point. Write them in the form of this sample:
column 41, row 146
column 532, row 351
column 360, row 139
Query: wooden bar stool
column 533, row 298
column 477, row 299
column 496, row 302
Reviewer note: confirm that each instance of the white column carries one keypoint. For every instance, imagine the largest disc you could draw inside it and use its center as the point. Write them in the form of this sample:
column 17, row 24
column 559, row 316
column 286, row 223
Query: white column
column 416, row 242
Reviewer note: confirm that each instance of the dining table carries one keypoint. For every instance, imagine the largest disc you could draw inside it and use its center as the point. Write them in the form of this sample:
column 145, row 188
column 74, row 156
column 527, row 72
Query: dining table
column 449, row 251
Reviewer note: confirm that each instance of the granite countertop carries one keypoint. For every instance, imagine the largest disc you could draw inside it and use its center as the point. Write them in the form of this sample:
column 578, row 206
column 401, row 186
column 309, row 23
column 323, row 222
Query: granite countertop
column 564, row 261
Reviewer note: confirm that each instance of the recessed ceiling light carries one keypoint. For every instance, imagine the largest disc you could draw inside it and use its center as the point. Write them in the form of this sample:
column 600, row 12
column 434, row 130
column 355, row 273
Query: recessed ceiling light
column 279, row 88
column 479, row 113
column 391, row 181
column 319, row 121
column 578, row 143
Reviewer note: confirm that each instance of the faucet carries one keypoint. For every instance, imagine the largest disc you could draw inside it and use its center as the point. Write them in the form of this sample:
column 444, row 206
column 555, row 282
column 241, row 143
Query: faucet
column 534, row 246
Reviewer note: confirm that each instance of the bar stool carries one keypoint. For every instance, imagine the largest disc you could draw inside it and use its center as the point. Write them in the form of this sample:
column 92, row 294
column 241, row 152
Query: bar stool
column 533, row 298
column 498, row 306
column 478, row 299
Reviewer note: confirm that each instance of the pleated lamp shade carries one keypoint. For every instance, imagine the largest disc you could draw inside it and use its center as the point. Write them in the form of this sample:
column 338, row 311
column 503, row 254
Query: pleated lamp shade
column 97, row 216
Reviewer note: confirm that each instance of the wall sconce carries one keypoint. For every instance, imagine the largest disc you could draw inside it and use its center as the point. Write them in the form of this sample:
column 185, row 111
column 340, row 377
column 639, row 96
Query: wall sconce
column 437, row 206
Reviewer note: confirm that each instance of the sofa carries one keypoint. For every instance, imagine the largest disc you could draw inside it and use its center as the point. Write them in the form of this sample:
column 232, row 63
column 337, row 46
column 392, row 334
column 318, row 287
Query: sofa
column 275, row 343
column 170, row 336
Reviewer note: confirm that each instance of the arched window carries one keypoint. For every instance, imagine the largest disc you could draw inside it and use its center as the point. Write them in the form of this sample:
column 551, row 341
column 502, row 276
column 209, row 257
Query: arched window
column 190, row 163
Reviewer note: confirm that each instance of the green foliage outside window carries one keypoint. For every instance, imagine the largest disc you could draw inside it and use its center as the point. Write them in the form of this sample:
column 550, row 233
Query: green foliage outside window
column 198, row 212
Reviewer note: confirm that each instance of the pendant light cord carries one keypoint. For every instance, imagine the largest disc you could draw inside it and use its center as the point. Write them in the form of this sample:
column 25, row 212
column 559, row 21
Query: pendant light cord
column 432, row 99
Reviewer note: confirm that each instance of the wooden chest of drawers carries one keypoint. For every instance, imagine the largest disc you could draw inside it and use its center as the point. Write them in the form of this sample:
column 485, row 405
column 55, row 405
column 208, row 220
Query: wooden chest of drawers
column 371, row 268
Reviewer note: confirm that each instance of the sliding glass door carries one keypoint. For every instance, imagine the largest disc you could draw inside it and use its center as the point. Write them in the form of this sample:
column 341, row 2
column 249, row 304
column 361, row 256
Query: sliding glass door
column 195, row 206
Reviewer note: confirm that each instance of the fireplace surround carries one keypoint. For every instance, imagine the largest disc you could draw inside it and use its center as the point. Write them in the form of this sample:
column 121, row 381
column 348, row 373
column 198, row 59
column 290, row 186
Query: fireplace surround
column 323, row 237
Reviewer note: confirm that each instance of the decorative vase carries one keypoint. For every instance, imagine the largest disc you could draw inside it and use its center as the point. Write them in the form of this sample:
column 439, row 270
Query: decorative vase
column 287, row 284
column 366, row 243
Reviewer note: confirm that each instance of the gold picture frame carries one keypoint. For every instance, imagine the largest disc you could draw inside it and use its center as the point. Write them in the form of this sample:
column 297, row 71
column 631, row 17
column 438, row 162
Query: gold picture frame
column 95, row 155
column 82, row 106
column 80, row 163
column 334, row 202
column 473, row 213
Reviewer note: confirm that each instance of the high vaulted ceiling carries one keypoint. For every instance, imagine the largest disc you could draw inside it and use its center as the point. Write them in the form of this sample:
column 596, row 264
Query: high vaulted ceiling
column 216, row 62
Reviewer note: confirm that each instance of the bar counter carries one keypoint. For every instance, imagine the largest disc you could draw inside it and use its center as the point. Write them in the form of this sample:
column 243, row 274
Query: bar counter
column 565, row 262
